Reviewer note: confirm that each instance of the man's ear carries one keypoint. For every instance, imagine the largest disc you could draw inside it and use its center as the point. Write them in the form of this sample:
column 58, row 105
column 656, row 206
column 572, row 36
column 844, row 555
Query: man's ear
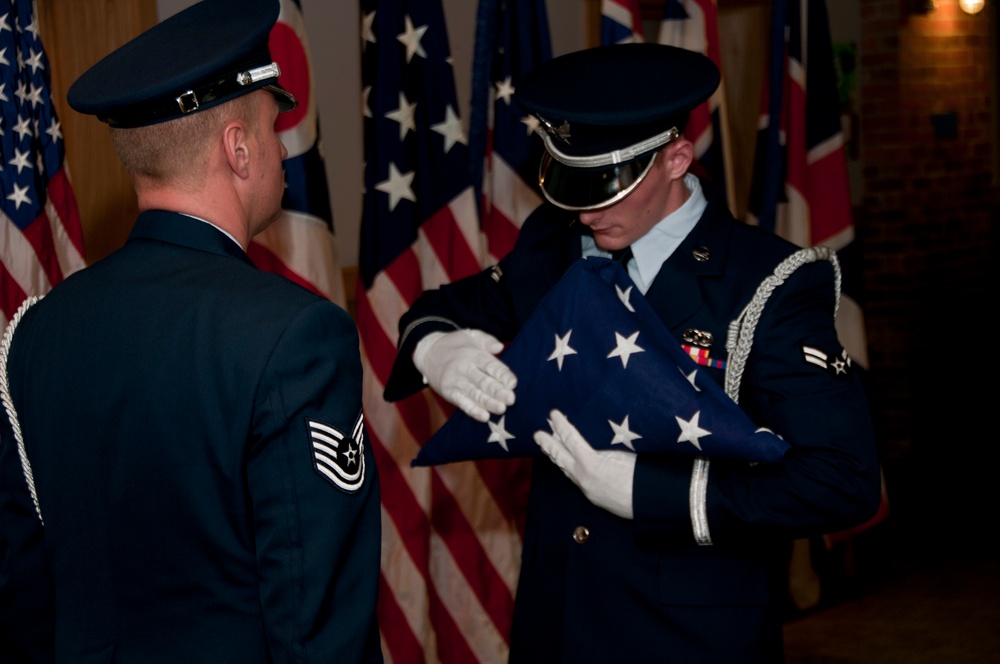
column 680, row 156
column 234, row 141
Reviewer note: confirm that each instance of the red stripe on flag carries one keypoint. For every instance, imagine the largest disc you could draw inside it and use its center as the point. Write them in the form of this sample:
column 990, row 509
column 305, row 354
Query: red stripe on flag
column 11, row 295
column 470, row 557
column 404, row 272
column 268, row 261
column 500, row 231
column 60, row 193
column 400, row 641
column 445, row 236
column 39, row 236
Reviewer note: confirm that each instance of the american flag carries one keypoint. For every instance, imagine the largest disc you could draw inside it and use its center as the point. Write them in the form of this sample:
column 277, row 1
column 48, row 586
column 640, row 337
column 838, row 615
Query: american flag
column 300, row 245
column 41, row 240
column 621, row 22
column 512, row 38
column 694, row 25
column 593, row 368
column 451, row 536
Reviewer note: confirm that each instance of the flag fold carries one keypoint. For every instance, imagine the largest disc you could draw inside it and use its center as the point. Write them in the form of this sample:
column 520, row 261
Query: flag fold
column 597, row 351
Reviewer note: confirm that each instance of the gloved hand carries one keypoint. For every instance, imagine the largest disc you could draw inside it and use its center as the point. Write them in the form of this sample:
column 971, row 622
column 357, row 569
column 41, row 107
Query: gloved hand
column 604, row 476
column 461, row 366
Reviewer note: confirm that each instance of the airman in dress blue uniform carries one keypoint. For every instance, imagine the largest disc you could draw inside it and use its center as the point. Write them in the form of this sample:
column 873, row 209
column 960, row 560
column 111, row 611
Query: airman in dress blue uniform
column 656, row 557
column 184, row 474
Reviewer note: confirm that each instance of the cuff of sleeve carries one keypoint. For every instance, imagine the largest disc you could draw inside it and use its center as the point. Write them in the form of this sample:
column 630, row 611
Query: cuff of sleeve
column 405, row 379
column 661, row 497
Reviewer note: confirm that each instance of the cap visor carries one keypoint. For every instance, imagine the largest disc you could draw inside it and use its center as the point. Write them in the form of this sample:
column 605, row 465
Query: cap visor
column 286, row 100
column 590, row 188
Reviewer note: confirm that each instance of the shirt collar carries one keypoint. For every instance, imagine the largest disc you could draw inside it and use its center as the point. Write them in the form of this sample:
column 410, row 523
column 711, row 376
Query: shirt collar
column 656, row 246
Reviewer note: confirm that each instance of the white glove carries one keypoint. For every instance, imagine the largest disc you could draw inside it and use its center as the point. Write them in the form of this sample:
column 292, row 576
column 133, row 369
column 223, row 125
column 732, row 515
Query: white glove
column 462, row 367
column 604, row 476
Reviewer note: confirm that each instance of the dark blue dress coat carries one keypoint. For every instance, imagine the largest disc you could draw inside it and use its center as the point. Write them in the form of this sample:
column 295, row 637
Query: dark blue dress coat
column 598, row 588
column 180, row 412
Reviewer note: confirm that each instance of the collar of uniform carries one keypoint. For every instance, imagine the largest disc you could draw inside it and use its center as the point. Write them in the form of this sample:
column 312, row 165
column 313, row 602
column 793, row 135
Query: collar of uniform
column 186, row 231
column 652, row 249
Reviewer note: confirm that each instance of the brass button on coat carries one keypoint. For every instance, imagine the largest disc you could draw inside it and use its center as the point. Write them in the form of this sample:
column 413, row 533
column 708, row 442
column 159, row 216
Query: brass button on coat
column 581, row 534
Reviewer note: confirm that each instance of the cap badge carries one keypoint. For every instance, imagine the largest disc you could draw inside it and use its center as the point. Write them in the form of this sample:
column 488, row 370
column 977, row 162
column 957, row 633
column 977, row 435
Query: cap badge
column 562, row 132
column 258, row 74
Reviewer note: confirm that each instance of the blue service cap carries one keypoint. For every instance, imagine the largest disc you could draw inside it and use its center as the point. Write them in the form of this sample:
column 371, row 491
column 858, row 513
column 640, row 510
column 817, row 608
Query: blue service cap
column 207, row 54
column 605, row 112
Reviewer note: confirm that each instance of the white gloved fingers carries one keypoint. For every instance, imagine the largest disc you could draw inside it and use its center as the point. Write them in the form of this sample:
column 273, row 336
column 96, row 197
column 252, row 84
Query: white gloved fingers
column 486, row 341
column 467, row 404
column 461, row 367
column 556, row 451
column 497, row 381
column 604, row 476
column 572, row 439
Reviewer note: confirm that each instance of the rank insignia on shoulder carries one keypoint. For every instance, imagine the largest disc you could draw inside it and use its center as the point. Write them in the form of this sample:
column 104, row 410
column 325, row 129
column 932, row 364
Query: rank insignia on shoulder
column 338, row 457
column 838, row 366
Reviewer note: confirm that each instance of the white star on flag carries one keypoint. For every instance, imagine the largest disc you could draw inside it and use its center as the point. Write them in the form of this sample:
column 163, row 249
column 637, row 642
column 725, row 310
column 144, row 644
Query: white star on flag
column 690, row 431
column 451, row 129
column 397, row 186
column 623, row 435
column 405, row 115
column 625, row 347
column 690, row 378
column 410, row 38
column 531, row 124
column 624, row 296
column 562, row 349
column 505, row 90
column 498, row 434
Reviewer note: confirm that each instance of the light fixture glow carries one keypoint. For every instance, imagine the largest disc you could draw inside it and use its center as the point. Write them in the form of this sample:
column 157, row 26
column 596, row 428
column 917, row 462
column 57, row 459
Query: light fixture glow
column 972, row 6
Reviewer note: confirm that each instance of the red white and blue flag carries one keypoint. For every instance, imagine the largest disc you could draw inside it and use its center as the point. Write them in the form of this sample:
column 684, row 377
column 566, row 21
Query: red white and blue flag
column 621, row 22
column 300, row 245
column 451, row 536
column 512, row 38
column 694, row 25
column 41, row 240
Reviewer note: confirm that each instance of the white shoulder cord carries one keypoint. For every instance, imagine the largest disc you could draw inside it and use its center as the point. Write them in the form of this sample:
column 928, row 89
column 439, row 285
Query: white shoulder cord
column 738, row 342
column 8, row 403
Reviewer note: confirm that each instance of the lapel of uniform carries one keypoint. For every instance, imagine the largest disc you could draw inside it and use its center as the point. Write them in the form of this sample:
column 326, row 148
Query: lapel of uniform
column 182, row 230
column 676, row 293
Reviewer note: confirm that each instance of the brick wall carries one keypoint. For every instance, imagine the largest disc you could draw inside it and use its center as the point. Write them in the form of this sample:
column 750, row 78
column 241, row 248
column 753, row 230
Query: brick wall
column 927, row 227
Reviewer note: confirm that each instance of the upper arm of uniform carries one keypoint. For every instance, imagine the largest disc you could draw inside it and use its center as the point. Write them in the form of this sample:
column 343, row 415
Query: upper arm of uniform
column 314, row 486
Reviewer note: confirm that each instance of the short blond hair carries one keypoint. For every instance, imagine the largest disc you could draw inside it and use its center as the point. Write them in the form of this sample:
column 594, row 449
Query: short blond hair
column 176, row 152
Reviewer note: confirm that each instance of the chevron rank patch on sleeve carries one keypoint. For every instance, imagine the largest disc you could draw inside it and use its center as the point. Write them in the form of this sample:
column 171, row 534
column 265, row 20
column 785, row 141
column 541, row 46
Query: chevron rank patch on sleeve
column 338, row 457
column 838, row 366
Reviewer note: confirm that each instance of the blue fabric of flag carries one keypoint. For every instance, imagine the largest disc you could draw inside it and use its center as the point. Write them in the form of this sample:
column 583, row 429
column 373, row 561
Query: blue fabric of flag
column 512, row 38
column 597, row 351
column 414, row 149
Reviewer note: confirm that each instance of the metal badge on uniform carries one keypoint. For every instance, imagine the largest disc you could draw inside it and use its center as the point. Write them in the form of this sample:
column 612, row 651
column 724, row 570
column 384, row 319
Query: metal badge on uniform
column 838, row 366
column 339, row 457
column 697, row 347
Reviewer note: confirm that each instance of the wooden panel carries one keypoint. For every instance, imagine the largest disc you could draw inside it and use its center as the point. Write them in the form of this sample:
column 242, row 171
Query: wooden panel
column 76, row 34
column 743, row 36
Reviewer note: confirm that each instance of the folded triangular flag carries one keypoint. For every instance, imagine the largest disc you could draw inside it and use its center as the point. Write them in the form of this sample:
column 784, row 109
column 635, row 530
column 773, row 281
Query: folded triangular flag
column 597, row 351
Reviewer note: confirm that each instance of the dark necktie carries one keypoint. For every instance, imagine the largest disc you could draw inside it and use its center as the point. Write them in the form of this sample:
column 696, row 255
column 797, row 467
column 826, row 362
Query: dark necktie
column 623, row 256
